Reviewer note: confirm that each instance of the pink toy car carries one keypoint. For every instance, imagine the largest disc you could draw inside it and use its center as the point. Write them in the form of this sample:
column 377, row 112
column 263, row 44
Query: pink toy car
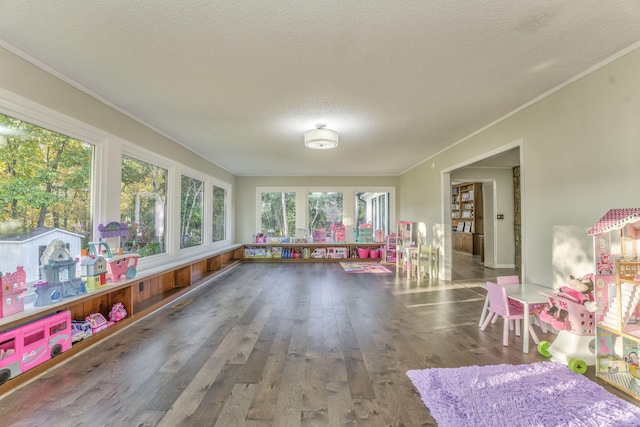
column 31, row 344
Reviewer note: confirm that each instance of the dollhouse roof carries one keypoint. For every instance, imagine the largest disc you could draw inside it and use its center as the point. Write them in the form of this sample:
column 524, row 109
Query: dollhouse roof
column 615, row 219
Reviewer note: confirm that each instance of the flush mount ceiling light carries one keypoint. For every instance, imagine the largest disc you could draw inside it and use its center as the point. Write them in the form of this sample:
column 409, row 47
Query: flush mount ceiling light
column 321, row 138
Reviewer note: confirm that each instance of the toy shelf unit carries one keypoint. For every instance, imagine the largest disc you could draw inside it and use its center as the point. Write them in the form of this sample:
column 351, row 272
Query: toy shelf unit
column 390, row 249
column 616, row 240
column 466, row 216
column 312, row 252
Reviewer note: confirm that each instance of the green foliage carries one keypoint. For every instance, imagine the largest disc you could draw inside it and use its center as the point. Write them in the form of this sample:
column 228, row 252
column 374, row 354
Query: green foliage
column 45, row 179
column 324, row 210
column 143, row 200
column 278, row 214
column 191, row 212
column 219, row 213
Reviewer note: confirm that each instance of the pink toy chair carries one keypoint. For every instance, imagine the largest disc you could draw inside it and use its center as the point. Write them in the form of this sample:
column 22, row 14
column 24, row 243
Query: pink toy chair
column 499, row 305
column 502, row 281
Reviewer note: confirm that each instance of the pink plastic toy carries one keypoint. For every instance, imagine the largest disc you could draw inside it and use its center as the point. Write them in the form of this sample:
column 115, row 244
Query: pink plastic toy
column 117, row 312
column 12, row 288
column 29, row 345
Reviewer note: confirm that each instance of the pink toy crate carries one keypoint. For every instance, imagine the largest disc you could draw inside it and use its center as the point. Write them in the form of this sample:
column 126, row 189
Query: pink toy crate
column 12, row 289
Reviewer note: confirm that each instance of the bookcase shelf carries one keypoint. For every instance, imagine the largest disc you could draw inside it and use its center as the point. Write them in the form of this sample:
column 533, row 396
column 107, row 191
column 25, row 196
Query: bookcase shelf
column 466, row 216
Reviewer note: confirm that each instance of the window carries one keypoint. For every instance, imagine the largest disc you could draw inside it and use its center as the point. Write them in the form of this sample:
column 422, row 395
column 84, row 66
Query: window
column 324, row 209
column 219, row 213
column 143, row 206
column 191, row 194
column 372, row 208
column 278, row 214
column 45, row 187
column 311, row 208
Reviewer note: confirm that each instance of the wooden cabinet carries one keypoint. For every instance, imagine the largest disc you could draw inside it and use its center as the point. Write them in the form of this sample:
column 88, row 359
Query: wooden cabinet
column 463, row 242
column 466, row 216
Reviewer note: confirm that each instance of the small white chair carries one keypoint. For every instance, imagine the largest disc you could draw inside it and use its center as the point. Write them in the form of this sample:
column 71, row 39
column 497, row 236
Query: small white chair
column 499, row 305
column 426, row 261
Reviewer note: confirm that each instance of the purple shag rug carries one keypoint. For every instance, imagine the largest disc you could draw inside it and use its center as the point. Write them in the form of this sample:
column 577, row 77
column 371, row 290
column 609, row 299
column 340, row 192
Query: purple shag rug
column 543, row 394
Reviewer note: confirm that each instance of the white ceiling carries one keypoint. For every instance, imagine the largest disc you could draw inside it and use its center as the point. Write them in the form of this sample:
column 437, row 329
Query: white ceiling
column 239, row 82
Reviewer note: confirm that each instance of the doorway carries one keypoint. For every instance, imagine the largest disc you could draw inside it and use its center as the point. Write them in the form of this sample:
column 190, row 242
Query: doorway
column 503, row 218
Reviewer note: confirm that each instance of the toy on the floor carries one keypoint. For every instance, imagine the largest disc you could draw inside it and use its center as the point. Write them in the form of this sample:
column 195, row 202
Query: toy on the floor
column 29, row 345
column 120, row 265
column 58, row 270
column 572, row 314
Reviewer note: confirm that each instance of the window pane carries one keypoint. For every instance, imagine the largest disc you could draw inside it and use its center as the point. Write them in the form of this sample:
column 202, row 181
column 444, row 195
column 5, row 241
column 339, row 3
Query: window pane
column 45, row 187
column 278, row 216
column 324, row 210
column 372, row 208
column 191, row 212
column 219, row 212
column 143, row 205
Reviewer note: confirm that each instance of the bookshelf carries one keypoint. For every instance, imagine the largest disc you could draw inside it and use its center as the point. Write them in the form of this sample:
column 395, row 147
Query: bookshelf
column 466, row 216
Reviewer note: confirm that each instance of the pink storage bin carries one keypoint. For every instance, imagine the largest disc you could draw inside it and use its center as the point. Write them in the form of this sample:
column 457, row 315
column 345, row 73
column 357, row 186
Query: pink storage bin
column 363, row 252
column 374, row 253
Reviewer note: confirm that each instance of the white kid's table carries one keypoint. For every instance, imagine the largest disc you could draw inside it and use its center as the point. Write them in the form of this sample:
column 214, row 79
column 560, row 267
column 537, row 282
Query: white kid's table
column 406, row 253
column 526, row 293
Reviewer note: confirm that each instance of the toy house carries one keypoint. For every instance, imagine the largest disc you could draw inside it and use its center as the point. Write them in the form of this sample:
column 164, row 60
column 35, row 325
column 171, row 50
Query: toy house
column 26, row 249
column 338, row 232
column 94, row 272
column 12, row 289
column 364, row 233
column 616, row 239
column 319, row 235
column 58, row 271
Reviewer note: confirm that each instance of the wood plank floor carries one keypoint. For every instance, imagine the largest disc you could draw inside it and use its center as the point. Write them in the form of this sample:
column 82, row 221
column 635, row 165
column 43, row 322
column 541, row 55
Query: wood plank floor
column 274, row 345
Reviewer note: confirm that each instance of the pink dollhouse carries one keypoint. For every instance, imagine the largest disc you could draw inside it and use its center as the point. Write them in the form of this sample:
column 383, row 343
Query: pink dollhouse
column 338, row 232
column 12, row 289
column 616, row 238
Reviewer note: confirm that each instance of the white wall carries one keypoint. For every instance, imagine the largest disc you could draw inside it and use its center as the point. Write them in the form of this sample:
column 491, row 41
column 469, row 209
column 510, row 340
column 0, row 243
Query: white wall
column 581, row 157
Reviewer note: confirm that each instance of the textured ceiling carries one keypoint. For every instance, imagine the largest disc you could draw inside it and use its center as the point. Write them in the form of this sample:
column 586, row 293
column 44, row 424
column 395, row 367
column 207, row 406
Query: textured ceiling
column 240, row 82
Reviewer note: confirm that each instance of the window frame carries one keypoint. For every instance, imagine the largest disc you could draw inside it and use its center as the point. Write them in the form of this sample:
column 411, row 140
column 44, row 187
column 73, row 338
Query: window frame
column 106, row 180
column 348, row 194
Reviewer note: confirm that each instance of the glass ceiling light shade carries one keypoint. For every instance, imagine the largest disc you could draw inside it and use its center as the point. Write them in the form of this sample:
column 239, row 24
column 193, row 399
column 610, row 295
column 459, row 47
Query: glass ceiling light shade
column 321, row 138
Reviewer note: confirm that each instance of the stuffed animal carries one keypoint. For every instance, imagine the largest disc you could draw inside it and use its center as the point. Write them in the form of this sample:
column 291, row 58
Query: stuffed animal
column 578, row 290
column 581, row 291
